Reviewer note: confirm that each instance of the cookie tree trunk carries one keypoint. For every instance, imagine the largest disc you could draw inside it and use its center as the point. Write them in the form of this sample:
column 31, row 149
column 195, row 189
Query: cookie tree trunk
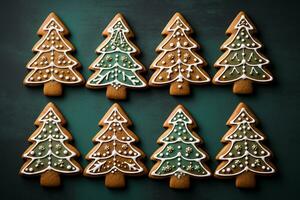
column 245, row 180
column 115, row 180
column 243, row 87
column 53, row 88
column 180, row 88
column 50, row 178
column 113, row 93
column 180, row 183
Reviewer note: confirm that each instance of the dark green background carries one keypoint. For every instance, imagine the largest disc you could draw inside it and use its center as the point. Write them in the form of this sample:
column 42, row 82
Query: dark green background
column 276, row 105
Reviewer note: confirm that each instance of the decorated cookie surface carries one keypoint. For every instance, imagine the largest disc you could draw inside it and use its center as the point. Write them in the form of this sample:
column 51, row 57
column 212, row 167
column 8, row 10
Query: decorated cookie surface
column 242, row 63
column 114, row 154
column 116, row 67
column 178, row 64
column 53, row 64
column 180, row 156
column 244, row 155
column 50, row 151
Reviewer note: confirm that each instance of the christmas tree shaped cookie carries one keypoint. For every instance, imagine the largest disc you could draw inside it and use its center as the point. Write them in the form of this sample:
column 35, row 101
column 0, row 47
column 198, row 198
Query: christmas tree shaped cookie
column 116, row 68
column 114, row 154
column 244, row 156
column 242, row 63
column 178, row 64
column 50, row 154
column 53, row 65
column 180, row 157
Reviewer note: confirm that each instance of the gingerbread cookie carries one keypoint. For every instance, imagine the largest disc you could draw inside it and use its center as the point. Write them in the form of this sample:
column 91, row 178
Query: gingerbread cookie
column 114, row 154
column 242, row 63
column 116, row 68
column 244, row 156
column 180, row 157
column 178, row 64
column 53, row 65
column 50, row 155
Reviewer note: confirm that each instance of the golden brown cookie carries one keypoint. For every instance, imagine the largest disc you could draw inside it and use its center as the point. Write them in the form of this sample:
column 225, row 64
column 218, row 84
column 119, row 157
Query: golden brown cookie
column 53, row 65
column 180, row 156
column 50, row 155
column 178, row 64
column 116, row 68
column 244, row 156
column 114, row 155
column 242, row 63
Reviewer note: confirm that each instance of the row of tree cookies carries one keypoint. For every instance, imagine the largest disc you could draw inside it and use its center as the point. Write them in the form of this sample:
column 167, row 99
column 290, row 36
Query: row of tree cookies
column 177, row 64
column 179, row 158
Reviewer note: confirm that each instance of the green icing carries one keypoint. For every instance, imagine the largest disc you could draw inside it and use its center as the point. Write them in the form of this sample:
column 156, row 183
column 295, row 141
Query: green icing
column 186, row 150
column 244, row 130
column 183, row 118
column 257, row 165
column 191, row 167
column 116, row 65
column 179, row 153
column 243, row 37
column 239, row 148
column 245, row 151
column 179, row 130
column 49, row 149
column 242, row 60
column 117, row 41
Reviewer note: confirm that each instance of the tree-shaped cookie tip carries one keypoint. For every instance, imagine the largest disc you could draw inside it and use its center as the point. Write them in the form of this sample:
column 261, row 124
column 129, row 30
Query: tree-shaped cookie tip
column 50, row 153
column 53, row 65
column 114, row 154
column 179, row 157
column 178, row 63
column 116, row 67
column 244, row 156
column 242, row 63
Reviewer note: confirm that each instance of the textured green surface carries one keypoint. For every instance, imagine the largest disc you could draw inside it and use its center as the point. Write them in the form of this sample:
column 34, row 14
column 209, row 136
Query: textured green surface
column 276, row 105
